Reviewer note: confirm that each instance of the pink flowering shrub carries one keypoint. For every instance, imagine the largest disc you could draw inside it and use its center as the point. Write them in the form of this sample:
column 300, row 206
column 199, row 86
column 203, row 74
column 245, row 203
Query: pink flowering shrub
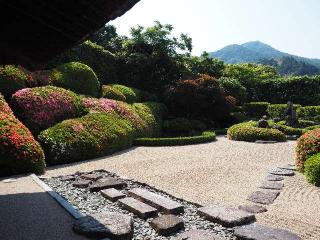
column 42, row 107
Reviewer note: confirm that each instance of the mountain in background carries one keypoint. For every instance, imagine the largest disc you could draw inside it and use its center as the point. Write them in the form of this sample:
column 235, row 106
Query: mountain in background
column 258, row 52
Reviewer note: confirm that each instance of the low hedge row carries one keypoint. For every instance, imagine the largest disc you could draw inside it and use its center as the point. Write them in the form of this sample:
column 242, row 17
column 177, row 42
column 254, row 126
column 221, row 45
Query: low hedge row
column 176, row 141
column 256, row 109
column 112, row 93
column 309, row 113
column 178, row 126
column 278, row 110
column 132, row 94
column 312, row 170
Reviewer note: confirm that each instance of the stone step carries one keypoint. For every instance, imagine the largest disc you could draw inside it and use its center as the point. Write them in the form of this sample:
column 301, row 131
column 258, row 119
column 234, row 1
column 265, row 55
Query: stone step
column 107, row 182
column 226, row 216
column 141, row 209
column 289, row 167
column 274, row 178
column 167, row 225
column 197, row 234
column 160, row 202
column 253, row 208
column 81, row 183
column 92, row 176
column 281, row 172
column 259, row 232
column 272, row 185
column 263, row 196
column 112, row 194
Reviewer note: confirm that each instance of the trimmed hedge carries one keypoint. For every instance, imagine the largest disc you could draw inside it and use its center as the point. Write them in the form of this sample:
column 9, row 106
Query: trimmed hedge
column 249, row 133
column 76, row 77
column 307, row 145
column 183, row 126
column 19, row 151
column 233, row 87
column 312, row 170
column 309, row 113
column 256, row 109
column 176, row 141
column 42, row 107
column 277, row 110
column 132, row 95
column 112, row 93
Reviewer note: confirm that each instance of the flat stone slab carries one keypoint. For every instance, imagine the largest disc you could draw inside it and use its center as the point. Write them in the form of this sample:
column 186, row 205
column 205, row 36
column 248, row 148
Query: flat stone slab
column 226, row 216
column 139, row 208
column 159, row 202
column 289, row 167
column 197, row 234
column 281, row 172
column 107, row 182
column 259, row 232
column 253, row 208
column 81, row 183
column 263, row 196
column 68, row 178
column 105, row 225
column 167, row 224
column 275, row 178
column 265, row 142
column 112, row 194
column 92, row 176
column 272, row 185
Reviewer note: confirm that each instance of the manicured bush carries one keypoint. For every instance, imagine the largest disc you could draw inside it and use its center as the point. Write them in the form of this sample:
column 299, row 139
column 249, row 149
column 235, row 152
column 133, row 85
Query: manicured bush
column 76, row 77
column 182, row 126
column 278, row 110
column 256, row 109
column 290, row 130
column 132, row 94
column 234, row 88
column 312, row 170
column 309, row 113
column 40, row 108
column 307, row 145
column 176, row 141
column 40, row 78
column 249, row 133
column 148, row 97
column 19, row 151
column 12, row 79
column 112, row 93
column 91, row 136
column 306, row 123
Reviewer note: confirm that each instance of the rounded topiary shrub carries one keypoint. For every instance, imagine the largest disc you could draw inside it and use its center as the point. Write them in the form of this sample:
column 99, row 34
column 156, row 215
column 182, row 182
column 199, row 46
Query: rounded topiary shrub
column 307, row 145
column 12, row 79
column 91, row 136
column 249, row 133
column 76, row 77
column 256, row 109
column 40, row 78
column 19, row 151
column 132, row 94
column 42, row 107
column 112, row 93
column 312, row 170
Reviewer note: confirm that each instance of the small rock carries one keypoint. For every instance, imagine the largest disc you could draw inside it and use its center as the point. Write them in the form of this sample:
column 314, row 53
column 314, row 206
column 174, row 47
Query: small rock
column 253, row 208
column 112, row 194
column 108, row 182
column 272, row 185
column 265, row 142
column 197, row 234
column 81, row 183
column 167, row 224
column 289, row 167
column 281, row 172
column 92, row 176
column 263, row 197
column 139, row 208
column 68, row 178
column 274, row 178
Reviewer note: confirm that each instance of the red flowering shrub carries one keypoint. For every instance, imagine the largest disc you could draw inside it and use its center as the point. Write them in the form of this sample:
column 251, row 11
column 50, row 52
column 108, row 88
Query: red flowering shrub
column 40, row 78
column 307, row 145
column 42, row 107
column 19, row 152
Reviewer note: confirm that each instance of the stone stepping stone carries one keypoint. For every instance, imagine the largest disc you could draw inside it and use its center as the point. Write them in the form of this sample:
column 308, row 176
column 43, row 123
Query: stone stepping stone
column 274, row 178
column 197, row 234
column 108, row 182
column 81, row 183
column 105, row 225
column 259, row 232
column 167, row 224
column 272, row 185
column 265, row 142
column 141, row 209
column 92, row 176
column 253, row 208
column 112, row 194
column 226, row 216
column 158, row 201
column 281, row 172
column 289, row 167
column 264, row 196
column 68, row 178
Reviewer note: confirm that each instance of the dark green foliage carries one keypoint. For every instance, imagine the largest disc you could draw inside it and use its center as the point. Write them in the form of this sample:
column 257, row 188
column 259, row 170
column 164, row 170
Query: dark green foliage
column 112, row 93
column 132, row 94
column 234, row 88
column 312, row 170
column 76, row 77
column 220, row 131
column 238, row 117
column 290, row 66
column 278, row 110
column 148, row 97
column 256, row 109
column 249, row 133
column 176, row 141
column 309, row 113
column 182, row 127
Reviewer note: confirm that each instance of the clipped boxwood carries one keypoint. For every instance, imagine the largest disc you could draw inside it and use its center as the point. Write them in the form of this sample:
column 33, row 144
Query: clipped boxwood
column 176, row 141
column 112, row 93
column 249, row 133
column 277, row 110
column 42, row 107
column 307, row 145
column 91, row 136
column 19, row 151
column 312, row 170
column 256, row 109
column 132, row 95
column 309, row 113
column 76, row 77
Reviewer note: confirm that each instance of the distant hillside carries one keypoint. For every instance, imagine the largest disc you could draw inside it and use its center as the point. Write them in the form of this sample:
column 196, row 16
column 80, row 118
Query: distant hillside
column 258, row 52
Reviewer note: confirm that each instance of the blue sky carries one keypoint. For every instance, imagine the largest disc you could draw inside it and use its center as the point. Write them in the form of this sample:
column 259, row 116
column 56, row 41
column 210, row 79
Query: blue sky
column 292, row 26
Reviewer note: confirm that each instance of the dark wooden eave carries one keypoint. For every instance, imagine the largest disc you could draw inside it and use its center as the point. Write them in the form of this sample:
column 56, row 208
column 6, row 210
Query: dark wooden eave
column 34, row 31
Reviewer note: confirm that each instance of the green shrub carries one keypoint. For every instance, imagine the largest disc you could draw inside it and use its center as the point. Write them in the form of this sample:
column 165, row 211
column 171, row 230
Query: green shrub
column 132, row 94
column 290, row 130
column 12, row 79
column 278, row 110
column 76, row 77
column 176, row 141
column 220, row 131
column 112, row 93
column 307, row 145
column 312, row 170
column 182, row 126
column 309, row 113
column 256, row 109
column 306, row 123
column 40, row 78
column 238, row 117
column 249, row 133
column 148, row 97
column 19, row 151
column 234, row 88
